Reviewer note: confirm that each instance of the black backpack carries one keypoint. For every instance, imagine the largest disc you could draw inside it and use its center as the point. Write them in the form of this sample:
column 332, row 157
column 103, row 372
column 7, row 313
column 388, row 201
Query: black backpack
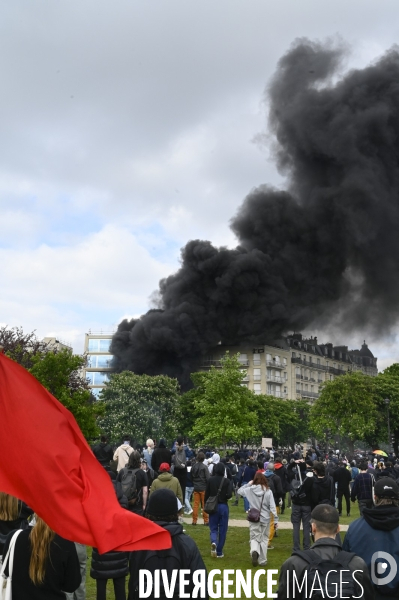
column 169, row 560
column 129, row 485
column 316, row 572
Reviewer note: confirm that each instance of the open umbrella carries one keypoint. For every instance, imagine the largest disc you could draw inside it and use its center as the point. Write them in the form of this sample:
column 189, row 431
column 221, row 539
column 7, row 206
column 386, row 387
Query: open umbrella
column 380, row 452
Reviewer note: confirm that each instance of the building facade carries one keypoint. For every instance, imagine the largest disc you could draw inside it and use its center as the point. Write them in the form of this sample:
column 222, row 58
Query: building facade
column 295, row 367
column 99, row 358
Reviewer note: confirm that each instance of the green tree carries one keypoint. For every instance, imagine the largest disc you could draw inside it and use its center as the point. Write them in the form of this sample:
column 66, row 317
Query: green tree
column 21, row 347
column 226, row 409
column 346, row 407
column 274, row 415
column 387, row 386
column 294, row 427
column 142, row 405
column 59, row 372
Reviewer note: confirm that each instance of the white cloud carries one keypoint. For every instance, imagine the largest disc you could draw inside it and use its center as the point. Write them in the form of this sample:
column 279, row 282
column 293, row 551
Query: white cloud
column 51, row 289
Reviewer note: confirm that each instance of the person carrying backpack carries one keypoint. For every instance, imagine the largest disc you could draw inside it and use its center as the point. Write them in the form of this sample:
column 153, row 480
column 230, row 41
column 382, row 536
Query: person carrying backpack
column 179, row 461
column 323, row 488
column 122, row 453
column 301, row 487
column 184, row 554
column 332, row 572
column 134, row 484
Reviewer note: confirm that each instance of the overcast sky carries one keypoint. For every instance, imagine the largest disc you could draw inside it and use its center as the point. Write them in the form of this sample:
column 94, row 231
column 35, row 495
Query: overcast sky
column 128, row 128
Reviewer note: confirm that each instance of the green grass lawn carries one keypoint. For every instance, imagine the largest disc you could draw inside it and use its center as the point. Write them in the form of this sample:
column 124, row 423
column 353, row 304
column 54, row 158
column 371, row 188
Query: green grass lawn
column 236, row 550
column 237, row 512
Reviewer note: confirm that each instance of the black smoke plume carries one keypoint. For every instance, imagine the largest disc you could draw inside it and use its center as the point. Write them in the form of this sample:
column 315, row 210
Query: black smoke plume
column 326, row 249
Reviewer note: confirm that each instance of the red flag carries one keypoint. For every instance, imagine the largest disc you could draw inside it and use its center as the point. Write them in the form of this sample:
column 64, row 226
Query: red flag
column 46, row 462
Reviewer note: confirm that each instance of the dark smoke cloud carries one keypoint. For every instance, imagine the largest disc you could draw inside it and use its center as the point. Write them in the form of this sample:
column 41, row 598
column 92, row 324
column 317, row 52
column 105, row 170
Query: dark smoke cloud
column 327, row 248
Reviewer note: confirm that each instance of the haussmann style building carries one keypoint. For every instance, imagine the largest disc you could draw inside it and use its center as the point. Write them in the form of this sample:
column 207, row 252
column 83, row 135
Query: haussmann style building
column 294, row 367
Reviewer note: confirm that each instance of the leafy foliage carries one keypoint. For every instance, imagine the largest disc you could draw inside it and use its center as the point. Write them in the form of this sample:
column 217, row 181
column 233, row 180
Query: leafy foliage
column 140, row 405
column 19, row 346
column 226, row 411
column 59, row 372
column 346, row 407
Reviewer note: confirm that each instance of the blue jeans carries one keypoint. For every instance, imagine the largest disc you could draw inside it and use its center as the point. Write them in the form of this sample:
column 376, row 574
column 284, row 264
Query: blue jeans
column 218, row 524
column 187, row 505
column 246, row 504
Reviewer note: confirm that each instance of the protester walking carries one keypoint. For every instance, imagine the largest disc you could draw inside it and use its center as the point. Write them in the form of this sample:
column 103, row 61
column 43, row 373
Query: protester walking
column 165, row 479
column 148, row 452
column 342, row 478
column 362, row 489
column 375, row 538
column 179, row 460
column 189, row 490
column 200, row 476
column 301, row 504
column 122, row 453
column 161, row 454
column 14, row 514
column 134, row 484
column 218, row 521
column 112, row 564
column 45, row 565
column 260, row 497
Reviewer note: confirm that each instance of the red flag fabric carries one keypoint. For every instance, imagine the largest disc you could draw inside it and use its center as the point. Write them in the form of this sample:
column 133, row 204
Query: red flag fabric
column 45, row 461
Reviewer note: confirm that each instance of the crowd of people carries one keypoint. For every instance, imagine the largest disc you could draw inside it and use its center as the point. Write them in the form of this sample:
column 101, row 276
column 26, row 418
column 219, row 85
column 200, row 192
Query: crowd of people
column 165, row 483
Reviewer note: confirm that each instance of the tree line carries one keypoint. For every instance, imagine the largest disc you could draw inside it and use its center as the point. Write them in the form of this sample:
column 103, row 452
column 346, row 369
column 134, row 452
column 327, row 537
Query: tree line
column 219, row 410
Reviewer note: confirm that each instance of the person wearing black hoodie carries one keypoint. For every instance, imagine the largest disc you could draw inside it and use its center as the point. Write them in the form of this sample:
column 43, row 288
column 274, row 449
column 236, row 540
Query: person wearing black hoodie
column 161, row 454
column 387, row 471
column 323, row 489
column 375, row 537
column 113, row 564
column 301, row 505
column 342, row 477
column 184, row 554
column 281, row 471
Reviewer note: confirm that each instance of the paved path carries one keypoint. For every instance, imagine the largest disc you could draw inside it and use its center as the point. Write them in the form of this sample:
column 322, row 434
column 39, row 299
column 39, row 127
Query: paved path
column 244, row 523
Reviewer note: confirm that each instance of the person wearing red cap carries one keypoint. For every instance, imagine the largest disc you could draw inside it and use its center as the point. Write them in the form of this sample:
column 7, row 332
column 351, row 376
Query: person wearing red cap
column 165, row 479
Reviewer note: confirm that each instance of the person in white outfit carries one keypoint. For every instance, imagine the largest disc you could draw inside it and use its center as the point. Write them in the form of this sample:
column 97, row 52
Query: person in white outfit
column 122, row 453
column 259, row 496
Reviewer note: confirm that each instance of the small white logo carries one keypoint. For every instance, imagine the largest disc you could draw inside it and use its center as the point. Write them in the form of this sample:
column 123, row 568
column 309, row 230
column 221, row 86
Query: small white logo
column 381, row 567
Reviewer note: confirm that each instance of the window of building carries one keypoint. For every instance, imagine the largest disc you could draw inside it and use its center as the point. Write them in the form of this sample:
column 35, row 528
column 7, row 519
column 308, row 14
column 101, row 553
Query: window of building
column 285, row 390
column 331, row 377
column 284, row 361
column 243, row 359
column 268, row 356
column 310, row 359
column 97, row 361
column 335, row 365
column 293, row 355
column 257, row 388
column 285, row 376
column 96, row 378
column 257, row 375
column 256, row 359
column 311, row 388
column 298, row 386
column 97, row 345
column 318, row 362
column 96, row 392
column 277, row 359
